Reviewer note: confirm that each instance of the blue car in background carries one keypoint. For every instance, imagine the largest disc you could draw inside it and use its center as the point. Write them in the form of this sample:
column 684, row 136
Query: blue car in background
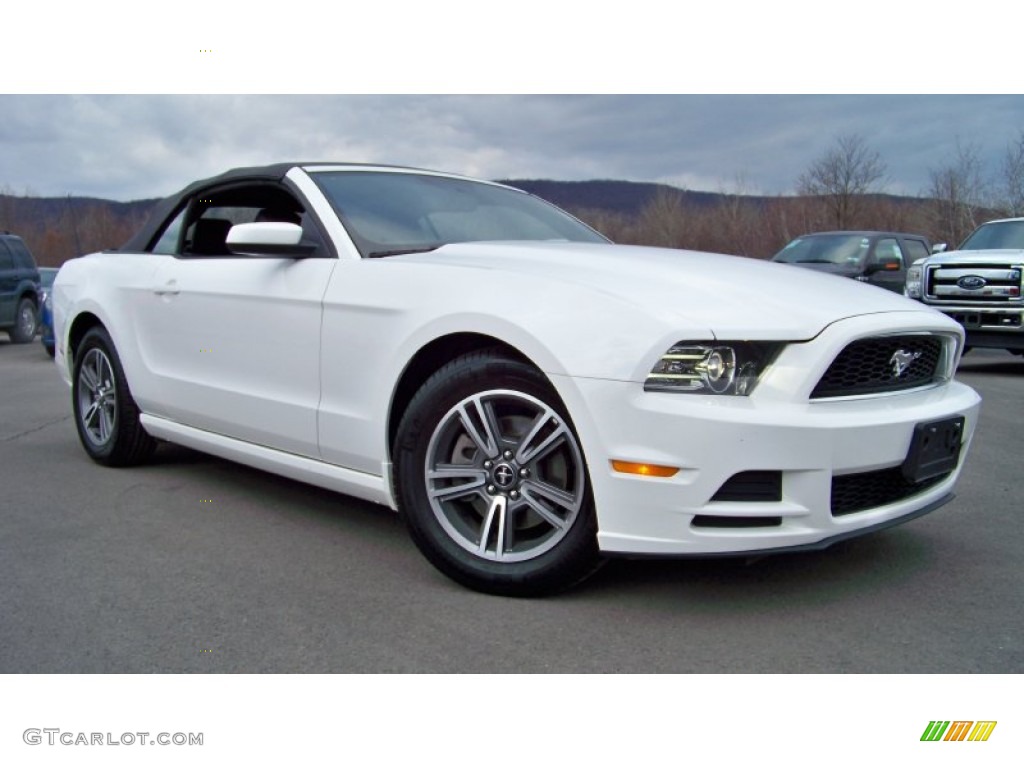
column 46, row 277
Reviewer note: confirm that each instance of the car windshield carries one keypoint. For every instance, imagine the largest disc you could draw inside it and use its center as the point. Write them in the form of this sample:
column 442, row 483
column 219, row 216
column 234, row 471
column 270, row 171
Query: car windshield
column 47, row 276
column 996, row 234
column 389, row 213
column 824, row 249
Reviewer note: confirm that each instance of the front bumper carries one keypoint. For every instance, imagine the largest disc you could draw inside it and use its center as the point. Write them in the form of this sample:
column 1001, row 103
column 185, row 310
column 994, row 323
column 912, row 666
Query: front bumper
column 806, row 444
column 989, row 327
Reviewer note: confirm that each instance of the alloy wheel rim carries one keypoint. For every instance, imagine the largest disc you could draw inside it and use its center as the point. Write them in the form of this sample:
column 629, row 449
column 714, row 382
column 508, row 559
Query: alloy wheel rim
column 504, row 476
column 97, row 397
column 27, row 320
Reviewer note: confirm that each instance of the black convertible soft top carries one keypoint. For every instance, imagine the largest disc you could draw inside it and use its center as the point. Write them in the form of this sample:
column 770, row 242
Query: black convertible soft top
column 141, row 239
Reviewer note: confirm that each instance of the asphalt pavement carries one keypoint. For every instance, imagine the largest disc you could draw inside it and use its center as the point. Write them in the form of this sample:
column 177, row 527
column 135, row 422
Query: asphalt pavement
column 194, row 564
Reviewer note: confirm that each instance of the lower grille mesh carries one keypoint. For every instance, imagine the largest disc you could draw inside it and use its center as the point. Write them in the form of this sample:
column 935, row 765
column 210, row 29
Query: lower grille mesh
column 751, row 486
column 867, row 490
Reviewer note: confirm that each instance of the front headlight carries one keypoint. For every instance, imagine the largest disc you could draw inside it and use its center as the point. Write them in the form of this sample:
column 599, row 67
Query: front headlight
column 913, row 284
column 711, row 367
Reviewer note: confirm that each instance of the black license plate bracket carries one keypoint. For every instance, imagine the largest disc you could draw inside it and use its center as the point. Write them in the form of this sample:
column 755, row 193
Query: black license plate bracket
column 934, row 449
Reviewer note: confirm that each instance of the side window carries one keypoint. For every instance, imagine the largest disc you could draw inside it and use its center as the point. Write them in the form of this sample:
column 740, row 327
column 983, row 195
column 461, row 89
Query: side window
column 207, row 235
column 209, row 217
column 915, row 249
column 22, row 258
column 6, row 259
column 167, row 243
column 887, row 250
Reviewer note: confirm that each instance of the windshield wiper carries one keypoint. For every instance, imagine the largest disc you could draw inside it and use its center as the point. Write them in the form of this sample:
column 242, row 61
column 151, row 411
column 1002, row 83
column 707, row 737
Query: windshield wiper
column 403, row 251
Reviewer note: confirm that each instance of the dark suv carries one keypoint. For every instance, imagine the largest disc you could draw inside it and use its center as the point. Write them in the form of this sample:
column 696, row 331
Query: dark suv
column 878, row 258
column 19, row 286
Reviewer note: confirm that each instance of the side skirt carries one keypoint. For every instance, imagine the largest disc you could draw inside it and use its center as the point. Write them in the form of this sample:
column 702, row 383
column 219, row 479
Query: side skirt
column 347, row 481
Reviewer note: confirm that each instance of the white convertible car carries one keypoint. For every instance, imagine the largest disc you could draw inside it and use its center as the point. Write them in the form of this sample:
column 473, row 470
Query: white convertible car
column 529, row 396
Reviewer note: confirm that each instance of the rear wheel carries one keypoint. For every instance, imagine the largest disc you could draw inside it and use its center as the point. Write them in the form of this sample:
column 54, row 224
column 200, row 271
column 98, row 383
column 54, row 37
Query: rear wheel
column 492, row 481
column 106, row 415
column 25, row 323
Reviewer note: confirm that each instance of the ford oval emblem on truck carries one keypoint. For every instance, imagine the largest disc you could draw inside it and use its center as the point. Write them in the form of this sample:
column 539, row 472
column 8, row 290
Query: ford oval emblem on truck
column 971, row 282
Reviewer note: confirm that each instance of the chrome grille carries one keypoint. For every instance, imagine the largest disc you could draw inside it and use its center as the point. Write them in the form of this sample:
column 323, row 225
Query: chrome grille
column 969, row 283
column 869, row 366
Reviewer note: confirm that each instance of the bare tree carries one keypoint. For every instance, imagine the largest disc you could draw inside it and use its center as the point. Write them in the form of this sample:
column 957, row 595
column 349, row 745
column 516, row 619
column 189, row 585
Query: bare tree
column 842, row 176
column 7, row 213
column 663, row 221
column 956, row 192
column 617, row 227
column 1013, row 177
column 737, row 221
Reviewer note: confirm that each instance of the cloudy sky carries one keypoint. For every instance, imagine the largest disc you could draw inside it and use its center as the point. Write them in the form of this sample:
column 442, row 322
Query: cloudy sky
column 162, row 117
column 132, row 146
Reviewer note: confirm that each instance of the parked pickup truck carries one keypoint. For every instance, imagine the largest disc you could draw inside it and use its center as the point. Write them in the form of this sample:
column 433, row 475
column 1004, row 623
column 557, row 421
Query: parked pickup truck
column 876, row 258
column 978, row 285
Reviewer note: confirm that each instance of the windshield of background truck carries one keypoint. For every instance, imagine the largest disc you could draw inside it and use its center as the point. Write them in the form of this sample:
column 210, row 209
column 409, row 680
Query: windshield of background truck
column 997, row 234
column 824, row 249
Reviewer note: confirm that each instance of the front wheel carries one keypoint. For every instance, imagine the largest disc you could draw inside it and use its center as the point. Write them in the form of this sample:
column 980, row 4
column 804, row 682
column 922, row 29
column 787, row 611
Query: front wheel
column 491, row 479
column 106, row 415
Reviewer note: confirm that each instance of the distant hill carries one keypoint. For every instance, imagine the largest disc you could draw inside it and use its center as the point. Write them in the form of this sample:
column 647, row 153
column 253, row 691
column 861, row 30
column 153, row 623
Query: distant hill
column 58, row 228
column 52, row 208
column 624, row 197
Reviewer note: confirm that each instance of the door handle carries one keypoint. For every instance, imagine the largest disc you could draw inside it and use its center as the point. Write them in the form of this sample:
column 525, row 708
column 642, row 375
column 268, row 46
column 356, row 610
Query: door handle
column 169, row 289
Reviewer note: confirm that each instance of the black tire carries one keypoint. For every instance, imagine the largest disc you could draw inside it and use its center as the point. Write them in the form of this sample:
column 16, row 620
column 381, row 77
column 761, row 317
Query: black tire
column 519, row 486
column 106, row 415
column 26, row 322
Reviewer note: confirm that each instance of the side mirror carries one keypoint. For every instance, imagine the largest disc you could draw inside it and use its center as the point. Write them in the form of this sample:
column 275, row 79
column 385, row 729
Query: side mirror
column 938, row 248
column 884, row 265
column 270, row 238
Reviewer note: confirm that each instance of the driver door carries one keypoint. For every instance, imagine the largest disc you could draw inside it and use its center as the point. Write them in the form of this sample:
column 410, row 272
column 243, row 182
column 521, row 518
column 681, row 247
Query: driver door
column 232, row 343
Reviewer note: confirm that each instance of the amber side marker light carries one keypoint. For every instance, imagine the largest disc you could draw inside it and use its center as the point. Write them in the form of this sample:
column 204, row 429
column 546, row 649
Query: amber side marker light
column 647, row 470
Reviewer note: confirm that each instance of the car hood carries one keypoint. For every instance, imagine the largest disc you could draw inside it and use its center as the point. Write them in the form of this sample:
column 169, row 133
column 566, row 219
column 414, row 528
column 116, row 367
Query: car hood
column 980, row 257
column 732, row 296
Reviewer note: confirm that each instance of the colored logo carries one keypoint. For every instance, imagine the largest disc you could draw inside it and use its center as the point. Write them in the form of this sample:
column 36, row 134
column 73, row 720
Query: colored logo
column 958, row 730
